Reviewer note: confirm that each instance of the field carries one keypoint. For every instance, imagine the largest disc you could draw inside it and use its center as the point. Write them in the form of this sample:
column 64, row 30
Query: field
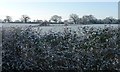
column 58, row 27
column 75, row 47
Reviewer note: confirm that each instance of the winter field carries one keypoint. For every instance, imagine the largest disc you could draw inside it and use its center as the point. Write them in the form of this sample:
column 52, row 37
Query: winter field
column 59, row 47
column 58, row 27
column 59, row 36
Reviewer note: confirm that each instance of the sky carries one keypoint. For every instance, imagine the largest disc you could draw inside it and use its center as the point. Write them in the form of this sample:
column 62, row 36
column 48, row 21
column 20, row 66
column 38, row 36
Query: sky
column 44, row 10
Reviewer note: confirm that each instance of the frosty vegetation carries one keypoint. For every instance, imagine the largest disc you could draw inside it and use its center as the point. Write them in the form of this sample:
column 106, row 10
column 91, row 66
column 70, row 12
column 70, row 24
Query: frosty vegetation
column 56, row 19
column 95, row 49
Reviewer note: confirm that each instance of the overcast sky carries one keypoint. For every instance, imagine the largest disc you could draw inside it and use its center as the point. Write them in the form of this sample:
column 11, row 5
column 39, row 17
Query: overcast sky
column 44, row 10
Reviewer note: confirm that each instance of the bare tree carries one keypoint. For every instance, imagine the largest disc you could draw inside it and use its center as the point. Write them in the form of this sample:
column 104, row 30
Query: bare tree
column 39, row 21
column 45, row 23
column 8, row 19
column 109, row 20
column 74, row 18
column 17, row 21
column 25, row 18
column 87, row 19
column 56, row 18
column 0, row 20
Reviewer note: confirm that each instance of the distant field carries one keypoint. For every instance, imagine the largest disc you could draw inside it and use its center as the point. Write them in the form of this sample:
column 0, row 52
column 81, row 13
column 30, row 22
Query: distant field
column 17, row 24
column 59, row 27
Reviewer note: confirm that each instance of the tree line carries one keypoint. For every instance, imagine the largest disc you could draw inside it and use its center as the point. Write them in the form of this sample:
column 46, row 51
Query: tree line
column 73, row 19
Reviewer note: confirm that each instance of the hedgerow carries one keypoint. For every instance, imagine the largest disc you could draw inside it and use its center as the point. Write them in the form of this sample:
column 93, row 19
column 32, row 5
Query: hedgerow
column 94, row 49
